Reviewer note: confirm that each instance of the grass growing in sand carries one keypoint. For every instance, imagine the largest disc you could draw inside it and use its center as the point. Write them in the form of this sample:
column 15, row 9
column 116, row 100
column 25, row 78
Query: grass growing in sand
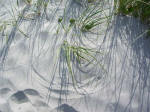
column 136, row 8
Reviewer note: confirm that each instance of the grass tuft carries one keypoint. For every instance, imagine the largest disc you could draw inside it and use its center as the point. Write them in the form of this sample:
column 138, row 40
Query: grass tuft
column 80, row 55
column 136, row 8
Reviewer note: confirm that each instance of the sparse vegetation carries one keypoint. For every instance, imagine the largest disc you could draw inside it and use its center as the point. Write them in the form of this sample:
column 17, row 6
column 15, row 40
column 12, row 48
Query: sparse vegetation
column 136, row 8
column 77, row 54
column 71, row 38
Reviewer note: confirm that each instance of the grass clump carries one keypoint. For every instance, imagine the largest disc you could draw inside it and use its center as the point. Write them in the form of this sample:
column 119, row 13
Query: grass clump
column 92, row 17
column 72, row 21
column 66, row 27
column 60, row 20
column 91, row 1
column 76, row 54
column 136, row 8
